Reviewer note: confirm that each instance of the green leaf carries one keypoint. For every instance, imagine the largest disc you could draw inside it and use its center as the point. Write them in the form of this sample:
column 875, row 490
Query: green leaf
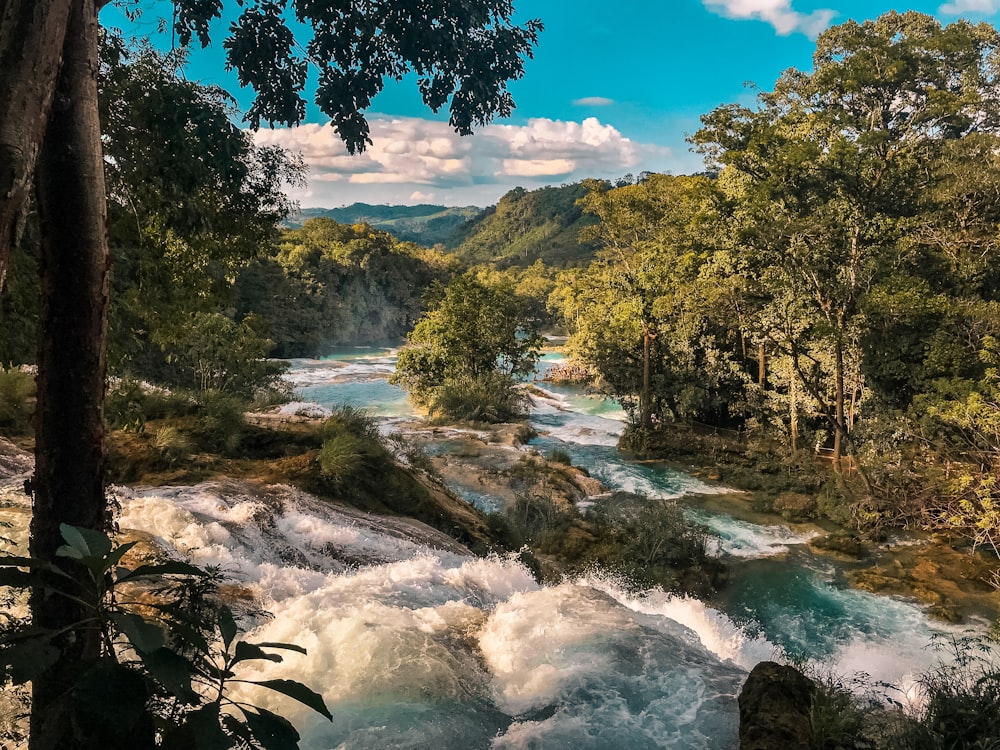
column 273, row 732
column 144, row 636
column 164, row 569
column 118, row 553
column 227, row 626
column 83, row 543
column 299, row 692
column 248, row 651
column 286, row 646
column 173, row 672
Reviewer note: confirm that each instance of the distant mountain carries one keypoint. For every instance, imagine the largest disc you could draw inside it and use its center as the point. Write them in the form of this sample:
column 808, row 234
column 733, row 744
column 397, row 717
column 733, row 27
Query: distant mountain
column 424, row 224
column 527, row 225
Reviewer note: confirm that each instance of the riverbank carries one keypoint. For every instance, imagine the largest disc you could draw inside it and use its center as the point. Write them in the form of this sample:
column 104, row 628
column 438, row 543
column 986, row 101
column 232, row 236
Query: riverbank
column 942, row 571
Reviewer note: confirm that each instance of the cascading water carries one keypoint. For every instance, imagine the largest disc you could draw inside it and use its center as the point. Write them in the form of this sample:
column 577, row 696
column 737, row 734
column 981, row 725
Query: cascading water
column 415, row 643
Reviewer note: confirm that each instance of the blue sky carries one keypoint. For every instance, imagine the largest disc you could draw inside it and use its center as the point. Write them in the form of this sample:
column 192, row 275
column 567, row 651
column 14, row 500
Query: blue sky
column 614, row 88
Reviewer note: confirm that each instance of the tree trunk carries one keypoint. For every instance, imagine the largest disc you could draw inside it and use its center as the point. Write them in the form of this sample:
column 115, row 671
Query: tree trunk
column 839, row 426
column 793, row 408
column 761, row 365
column 69, row 448
column 31, row 46
column 645, row 398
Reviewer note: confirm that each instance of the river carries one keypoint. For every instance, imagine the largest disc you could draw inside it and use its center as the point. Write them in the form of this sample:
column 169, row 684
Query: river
column 416, row 644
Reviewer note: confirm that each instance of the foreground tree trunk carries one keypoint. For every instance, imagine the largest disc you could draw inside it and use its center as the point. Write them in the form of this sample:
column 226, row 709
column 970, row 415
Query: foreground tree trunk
column 31, row 47
column 69, row 451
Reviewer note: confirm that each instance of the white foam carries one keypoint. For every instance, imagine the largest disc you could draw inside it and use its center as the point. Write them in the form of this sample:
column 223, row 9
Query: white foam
column 305, row 409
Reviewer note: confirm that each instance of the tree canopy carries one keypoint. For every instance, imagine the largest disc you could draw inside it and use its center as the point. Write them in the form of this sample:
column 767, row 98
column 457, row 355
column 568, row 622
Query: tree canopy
column 464, row 357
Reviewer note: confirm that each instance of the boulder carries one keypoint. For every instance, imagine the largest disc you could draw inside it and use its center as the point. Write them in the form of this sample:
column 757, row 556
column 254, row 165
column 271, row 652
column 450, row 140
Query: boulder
column 775, row 706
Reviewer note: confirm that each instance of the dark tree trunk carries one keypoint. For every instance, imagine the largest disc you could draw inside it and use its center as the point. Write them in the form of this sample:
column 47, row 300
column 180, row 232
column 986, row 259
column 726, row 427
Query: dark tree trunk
column 31, row 46
column 69, row 450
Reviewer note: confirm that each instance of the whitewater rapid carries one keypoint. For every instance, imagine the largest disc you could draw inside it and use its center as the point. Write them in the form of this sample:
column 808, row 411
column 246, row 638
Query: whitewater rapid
column 416, row 643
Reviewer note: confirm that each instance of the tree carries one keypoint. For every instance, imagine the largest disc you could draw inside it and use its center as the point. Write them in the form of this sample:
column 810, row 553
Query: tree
column 464, row 357
column 639, row 311
column 829, row 172
column 50, row 137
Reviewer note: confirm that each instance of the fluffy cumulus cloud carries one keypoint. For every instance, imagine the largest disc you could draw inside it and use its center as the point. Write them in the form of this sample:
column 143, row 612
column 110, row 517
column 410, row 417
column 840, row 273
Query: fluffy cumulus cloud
column 970, row 6
column 412, row 159
column 778, row 13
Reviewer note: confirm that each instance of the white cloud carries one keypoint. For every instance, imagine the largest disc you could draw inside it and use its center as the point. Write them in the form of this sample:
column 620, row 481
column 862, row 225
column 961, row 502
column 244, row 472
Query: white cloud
column 537, row 167
column 593, row 101
column 418, row 197
column 778, row 13
column 970, row 6
column 412, row 159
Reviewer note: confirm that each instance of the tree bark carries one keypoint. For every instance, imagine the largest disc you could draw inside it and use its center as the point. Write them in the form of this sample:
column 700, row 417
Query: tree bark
column 646, row 397
column 32, row 33
column 793, row 409
column 839, row 426
column 69, row 447
column 761, row 365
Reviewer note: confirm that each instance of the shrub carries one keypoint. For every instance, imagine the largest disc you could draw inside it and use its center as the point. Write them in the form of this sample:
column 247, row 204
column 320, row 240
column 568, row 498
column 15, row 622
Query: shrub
column 353, row 454
column 492, row 397
column 17, row 391
column 172, row 443
column 560, row 457
column 531, row 517
column 651, row 540
column 131, row 403
column 220, row 424
column 962, row 706
column 342, row 457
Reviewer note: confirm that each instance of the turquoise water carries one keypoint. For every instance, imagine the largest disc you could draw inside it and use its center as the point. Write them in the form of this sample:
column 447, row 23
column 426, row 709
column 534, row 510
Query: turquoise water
column 782, row 598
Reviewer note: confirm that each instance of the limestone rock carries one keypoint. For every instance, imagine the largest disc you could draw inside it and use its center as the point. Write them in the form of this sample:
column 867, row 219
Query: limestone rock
column 775, row 704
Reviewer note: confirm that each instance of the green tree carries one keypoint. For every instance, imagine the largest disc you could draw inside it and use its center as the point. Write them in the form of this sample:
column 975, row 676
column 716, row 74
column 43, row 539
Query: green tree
column 464, row 357
column 638, row 314
column 191, row 202
column 829, row 173
column 50, row 137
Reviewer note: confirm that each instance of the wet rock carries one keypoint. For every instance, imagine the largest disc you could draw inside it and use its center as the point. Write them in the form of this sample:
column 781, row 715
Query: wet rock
column 840, row 543
column 795, row 507
column 775, row 705
column 14, row 461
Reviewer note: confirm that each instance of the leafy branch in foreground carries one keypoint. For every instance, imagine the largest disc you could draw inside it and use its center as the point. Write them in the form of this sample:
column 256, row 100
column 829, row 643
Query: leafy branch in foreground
column 162, row 653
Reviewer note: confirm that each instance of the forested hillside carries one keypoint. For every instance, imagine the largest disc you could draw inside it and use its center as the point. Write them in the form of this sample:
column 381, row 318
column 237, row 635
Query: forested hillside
column 526, row 226
column 424, row 224
column 328, row 284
